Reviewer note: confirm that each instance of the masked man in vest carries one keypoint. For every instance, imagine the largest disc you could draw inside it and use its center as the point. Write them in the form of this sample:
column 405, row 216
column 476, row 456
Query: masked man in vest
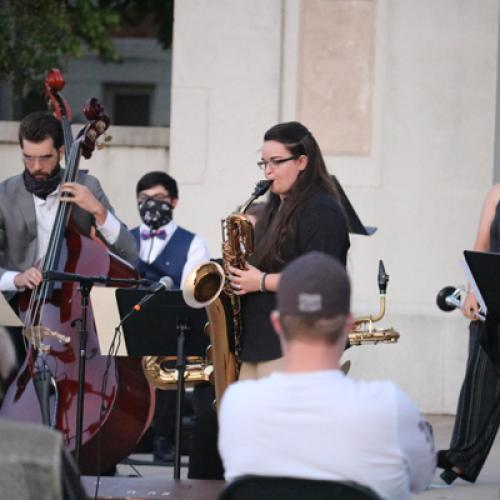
column 166, row 249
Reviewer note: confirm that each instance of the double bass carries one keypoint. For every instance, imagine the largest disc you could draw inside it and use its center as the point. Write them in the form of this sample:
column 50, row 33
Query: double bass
column 117, row 397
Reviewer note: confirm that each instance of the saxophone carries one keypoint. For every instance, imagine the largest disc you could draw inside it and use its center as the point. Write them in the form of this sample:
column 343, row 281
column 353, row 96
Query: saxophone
column 207, row 286
column 363, row 332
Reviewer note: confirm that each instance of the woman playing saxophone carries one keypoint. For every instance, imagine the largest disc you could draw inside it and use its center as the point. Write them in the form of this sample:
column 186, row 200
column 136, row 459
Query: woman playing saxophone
column 302, row 214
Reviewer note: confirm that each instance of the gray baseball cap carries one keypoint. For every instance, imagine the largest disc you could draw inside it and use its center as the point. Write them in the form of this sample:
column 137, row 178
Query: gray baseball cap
column 314, row 284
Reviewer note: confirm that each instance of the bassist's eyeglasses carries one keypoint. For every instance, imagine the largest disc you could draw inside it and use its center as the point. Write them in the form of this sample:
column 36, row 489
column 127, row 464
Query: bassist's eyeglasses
column 43, row 160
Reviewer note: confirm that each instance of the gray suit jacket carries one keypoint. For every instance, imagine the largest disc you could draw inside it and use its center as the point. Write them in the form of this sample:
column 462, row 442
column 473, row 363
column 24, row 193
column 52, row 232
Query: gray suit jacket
column 18, row 231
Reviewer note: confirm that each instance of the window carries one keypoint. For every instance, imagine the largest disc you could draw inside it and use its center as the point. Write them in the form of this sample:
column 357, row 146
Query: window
column 129, row 104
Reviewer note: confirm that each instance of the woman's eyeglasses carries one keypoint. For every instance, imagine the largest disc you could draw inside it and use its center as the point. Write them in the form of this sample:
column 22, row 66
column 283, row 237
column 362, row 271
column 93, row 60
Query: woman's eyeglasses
column 274, row 162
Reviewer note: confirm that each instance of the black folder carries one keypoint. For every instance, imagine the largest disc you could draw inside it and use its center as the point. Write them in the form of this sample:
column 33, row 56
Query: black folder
column 485, row 269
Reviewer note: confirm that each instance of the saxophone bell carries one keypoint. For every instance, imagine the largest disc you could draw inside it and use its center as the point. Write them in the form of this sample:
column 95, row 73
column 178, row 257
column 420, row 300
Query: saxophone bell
column 203, row 285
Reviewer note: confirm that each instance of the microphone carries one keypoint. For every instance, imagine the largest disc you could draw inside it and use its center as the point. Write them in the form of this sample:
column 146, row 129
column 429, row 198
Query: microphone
column 165, row 283
column 450, row 298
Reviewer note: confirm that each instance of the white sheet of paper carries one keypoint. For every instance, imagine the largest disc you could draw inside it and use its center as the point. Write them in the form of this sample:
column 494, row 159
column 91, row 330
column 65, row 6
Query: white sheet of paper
column 106, row 317
column 7, row 315
column 473, row 285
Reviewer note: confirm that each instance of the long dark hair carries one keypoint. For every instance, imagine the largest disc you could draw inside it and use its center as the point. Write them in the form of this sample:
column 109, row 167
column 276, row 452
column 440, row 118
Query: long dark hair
column 274, row 224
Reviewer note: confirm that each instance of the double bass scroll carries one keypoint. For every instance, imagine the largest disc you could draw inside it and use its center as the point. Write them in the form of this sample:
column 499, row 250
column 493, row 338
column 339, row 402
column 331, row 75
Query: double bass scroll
column 53, row 84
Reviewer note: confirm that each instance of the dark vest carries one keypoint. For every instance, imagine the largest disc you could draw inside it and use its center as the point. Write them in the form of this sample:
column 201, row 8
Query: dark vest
column 171, row 260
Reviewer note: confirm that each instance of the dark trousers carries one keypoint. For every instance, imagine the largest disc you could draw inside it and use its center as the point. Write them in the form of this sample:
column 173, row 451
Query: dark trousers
column 204, row 459
column 164, row 417
column 478, row 412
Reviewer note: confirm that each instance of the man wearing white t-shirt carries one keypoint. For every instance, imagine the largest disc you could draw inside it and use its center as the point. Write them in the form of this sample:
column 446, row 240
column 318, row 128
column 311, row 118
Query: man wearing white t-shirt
column 310, row 420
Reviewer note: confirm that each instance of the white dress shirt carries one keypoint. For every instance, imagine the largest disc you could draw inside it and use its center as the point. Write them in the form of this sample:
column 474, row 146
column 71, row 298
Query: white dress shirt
column 45, row 212
column 152, row 247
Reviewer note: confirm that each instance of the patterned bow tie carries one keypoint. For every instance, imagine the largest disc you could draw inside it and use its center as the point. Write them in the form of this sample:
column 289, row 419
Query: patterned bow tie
column 158, row 233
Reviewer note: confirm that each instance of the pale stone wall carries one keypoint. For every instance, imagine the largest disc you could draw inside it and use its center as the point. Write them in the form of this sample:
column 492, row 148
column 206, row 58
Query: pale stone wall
column 419, row 171
column 225, row 93
column 434, row 146
column 335, row 77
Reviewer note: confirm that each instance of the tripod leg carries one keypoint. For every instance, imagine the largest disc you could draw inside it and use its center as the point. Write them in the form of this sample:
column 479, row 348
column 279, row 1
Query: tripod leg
column 178, row 423
column 181, row 367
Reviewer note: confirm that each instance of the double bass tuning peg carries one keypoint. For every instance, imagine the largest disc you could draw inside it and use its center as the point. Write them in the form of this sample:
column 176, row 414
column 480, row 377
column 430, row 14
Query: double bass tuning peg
column 105, row 143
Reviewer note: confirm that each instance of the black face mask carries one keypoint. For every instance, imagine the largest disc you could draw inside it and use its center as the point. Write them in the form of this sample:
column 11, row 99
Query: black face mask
column 42, row 187
column 155, row 213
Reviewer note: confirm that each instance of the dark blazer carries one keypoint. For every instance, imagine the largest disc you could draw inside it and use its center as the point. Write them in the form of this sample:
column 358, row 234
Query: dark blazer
column 18, row 231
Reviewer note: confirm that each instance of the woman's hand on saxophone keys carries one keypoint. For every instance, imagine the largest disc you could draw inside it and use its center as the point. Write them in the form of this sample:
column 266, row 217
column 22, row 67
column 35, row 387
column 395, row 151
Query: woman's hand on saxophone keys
column 244, row 280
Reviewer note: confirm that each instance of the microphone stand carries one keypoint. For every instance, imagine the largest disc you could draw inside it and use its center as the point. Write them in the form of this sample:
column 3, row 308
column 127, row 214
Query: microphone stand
column 85, row 288
column 104, row 280
column 86, row 284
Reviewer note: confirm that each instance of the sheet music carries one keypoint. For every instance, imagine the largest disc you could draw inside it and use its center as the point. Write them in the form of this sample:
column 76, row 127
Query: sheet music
column 106, row 317
column 7, row 315
column 474, row 286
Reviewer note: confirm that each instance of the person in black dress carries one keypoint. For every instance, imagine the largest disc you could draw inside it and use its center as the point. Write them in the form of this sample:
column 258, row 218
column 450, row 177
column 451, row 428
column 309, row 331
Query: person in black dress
column 302, row 214
column 478, row 412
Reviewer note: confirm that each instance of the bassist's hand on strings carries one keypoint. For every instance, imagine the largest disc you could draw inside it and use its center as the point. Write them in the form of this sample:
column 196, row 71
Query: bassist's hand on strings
column 82, row 196
column 30, row 278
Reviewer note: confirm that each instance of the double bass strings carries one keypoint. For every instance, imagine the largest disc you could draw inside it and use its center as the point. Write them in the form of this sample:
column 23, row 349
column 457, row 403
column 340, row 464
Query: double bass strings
column 40, row 294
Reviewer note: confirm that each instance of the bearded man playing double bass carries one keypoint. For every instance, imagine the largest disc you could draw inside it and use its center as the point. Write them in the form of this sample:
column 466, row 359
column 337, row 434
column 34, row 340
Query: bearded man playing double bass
column 29, row 201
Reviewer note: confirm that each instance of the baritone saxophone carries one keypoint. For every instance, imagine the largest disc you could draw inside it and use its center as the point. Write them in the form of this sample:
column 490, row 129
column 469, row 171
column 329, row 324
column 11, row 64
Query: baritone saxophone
column 208, row 286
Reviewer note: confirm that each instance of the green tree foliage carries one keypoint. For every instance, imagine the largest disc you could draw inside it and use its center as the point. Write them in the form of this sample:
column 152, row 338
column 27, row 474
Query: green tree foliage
column 160, row 11
column 37, row 35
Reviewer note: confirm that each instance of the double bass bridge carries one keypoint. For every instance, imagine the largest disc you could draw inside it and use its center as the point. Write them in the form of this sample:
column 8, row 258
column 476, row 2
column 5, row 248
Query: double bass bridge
column 36, row 334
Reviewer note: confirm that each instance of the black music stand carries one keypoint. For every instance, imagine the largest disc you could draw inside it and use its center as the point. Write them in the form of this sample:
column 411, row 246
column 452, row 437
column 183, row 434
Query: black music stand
column 484, row 270
column 165, row 326
column 353, row 221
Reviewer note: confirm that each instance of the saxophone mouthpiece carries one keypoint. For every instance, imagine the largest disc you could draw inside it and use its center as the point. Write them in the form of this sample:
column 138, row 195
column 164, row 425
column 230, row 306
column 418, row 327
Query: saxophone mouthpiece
column 383, row 278
column 261, row 187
